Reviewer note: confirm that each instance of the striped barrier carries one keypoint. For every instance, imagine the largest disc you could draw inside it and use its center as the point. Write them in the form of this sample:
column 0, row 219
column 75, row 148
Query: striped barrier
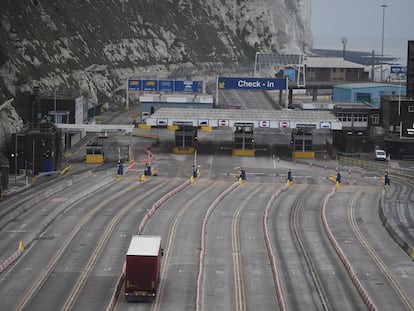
column 272, row 257
column 157, row 204
column 12, row 258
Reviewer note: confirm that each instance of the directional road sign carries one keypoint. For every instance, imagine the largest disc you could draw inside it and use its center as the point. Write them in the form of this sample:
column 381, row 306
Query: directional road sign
column 398, row 69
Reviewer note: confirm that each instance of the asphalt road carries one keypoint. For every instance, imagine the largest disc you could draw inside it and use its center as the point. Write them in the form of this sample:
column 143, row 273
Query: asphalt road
column 76, row 238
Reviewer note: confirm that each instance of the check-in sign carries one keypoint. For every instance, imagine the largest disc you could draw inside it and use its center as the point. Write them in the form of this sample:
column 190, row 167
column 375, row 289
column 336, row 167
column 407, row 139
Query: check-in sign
column 260, row 84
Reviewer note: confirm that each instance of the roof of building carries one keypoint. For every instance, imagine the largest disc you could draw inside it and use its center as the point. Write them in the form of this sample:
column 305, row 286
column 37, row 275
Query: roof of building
column 175, row 98
column 357, row 105
column 396, row 97
column 331, row 62
column 363, row 85
column 230, row 117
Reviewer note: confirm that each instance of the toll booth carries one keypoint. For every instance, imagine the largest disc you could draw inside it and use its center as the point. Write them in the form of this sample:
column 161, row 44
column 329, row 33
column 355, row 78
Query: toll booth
column 302, row 142
column 185, row 139
column 94, row 154
column 244, row 144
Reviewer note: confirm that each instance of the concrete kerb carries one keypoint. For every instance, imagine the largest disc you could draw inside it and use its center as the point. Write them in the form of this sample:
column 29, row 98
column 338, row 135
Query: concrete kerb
column 355, row 280
column 391, row 230
column 62, row 207
column 43, row 196
column 39, row 229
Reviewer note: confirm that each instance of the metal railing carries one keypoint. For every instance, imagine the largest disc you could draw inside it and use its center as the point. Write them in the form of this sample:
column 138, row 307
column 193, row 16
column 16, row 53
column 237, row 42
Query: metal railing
column 375, row 166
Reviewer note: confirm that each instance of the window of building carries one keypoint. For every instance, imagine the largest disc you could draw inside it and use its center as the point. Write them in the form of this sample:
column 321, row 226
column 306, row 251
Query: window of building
column 375, row 118
column 410, row 108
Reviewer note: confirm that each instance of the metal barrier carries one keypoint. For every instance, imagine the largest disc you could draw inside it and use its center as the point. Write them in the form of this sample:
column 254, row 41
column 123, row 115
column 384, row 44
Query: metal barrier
column 375, row 166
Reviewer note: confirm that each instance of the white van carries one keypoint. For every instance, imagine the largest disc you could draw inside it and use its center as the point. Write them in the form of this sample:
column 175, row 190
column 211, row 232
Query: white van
column 103, row 134
column 380, row 155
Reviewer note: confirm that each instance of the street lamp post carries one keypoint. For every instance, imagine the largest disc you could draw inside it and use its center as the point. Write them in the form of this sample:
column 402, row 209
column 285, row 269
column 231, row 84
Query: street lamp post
column 384, row 6
column 15, row 157
column 255, row 63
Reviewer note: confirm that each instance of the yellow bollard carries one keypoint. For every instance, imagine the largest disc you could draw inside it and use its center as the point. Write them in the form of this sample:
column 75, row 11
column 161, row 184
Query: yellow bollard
column 153, row 172
column 21, row 246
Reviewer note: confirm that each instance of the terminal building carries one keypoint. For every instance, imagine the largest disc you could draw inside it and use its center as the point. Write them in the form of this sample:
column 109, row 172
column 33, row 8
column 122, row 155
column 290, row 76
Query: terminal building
column 368, row 92
column 333, row 69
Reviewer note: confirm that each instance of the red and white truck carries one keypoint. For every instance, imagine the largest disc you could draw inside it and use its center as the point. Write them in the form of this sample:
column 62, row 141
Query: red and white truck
column 143, row 264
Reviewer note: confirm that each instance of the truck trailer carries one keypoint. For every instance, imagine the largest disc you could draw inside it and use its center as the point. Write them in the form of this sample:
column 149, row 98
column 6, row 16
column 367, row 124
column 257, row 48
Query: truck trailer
column 142, row 270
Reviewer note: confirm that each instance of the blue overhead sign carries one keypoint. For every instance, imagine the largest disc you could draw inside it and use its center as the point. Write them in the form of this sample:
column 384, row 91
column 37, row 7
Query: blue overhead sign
column 263, row 84
column 150, row 85
column 189, row 86
column 398, row 69
column 134, row 85
column 165, row 86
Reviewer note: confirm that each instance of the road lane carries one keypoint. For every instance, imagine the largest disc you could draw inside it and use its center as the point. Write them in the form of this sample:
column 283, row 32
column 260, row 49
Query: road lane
column 374, row 253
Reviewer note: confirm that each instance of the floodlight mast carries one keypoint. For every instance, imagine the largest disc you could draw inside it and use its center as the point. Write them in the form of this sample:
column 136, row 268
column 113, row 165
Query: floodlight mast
column 384, row 6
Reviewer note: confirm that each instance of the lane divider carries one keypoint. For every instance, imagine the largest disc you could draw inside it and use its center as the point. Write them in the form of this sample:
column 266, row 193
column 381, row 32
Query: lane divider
column 112, row 303
column 203, row 242
column 272, row 257
column 354, row 278
column 51, row 217
column 12, row 258
column 157, row 204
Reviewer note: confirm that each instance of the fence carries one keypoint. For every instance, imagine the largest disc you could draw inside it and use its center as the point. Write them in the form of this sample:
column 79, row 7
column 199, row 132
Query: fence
column 375, row 166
